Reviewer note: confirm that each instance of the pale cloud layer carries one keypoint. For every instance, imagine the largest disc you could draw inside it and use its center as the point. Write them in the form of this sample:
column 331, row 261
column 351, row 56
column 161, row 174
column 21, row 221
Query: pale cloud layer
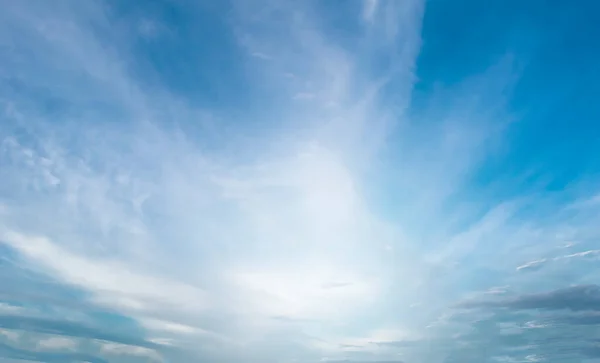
column 339, row 217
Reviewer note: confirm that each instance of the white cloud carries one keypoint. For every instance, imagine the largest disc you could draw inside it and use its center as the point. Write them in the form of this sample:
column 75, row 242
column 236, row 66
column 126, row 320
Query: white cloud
column 112, row 349
column 57, row 343
column 532, row 264
column 498, row 290
column 203, row 243
column 12, row 309
column 379, row 336
column 298, row 293
column 535, row 325
column 149, row 222
column 591, row 254
column 11, row 335
column 105, row 277
column 156, row 324
column 178, row 330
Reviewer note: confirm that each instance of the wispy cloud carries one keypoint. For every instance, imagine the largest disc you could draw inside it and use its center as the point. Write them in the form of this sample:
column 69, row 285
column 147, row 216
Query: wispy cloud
column 591, row 254
column 261, row 55
column 57, row 343
column 151, row 225
column 292, row 188
column 115, row 349
column 369, row 9
column 532, row 265
column 576, row 298
column 11, row 335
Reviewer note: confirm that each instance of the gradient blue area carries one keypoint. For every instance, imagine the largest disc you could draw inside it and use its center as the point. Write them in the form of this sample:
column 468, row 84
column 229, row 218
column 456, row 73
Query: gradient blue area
column 296, row 182
column 551, row 56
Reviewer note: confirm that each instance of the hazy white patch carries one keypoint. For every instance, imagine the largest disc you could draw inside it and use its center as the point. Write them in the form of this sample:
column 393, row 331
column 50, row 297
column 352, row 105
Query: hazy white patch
column 509, row 328
column 521, row 348
column 369, row 10
column 155, row 324
column 589, row 202
column 6, row 308
column 129, row 350
column 300, row 294
column 506, row 359
column 304, row 96
column 378, row 339
column 162, row 341
column 336, row 285
column 106, row 277
column 468, row 240
column 150, row 29
column 57, row 343
column 498, row 290
column 534, row 358
column 11, row 335
column 260, row 55
column 535, row 325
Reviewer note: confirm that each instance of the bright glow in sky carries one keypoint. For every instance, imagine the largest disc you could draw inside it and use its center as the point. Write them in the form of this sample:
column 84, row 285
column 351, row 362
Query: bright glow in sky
column 299, row 181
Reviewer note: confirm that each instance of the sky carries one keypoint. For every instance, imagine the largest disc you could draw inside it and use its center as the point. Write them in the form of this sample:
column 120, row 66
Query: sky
column 400, row 181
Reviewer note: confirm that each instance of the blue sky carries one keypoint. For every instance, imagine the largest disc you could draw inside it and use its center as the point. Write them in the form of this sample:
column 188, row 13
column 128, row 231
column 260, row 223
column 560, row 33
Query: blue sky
column 310, row 181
